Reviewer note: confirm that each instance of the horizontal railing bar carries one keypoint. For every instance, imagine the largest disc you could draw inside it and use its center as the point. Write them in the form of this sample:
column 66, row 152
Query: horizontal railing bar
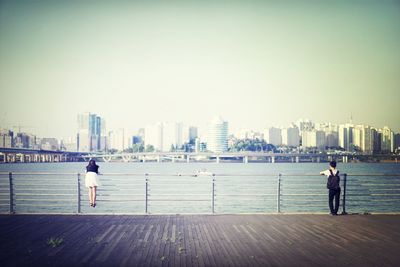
column 27, row 194
column 46, row 205
column 167, row 200
column 234, row 195
column 199, row 175
column 45, row 200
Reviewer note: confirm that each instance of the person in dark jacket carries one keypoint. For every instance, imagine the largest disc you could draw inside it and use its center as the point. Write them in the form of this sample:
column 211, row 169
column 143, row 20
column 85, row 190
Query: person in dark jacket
column 92, row 181
column 333, row 184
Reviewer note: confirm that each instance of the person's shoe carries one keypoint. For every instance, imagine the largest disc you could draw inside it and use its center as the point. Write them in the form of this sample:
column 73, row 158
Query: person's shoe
column 94, row 205
column 91, row 204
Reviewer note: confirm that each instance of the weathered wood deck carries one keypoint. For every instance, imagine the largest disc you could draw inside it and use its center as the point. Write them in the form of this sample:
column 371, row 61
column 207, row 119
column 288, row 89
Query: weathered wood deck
column 200, row 240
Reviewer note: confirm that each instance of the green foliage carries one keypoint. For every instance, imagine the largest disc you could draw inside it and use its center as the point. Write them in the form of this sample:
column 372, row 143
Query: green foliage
column 138, row 147
column 251, row 145
column 150, row 148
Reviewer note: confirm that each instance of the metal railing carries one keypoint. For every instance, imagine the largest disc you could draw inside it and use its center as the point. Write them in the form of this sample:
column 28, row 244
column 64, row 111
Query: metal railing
column 187, row 193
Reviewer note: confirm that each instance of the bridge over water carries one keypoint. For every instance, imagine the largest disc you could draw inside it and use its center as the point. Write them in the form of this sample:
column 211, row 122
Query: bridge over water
column 33, row 155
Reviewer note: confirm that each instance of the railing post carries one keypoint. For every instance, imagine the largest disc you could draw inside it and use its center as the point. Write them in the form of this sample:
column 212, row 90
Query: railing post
column 278, row 194
column 213, row 195
column 11, row 193
column 344, row 194
column 146, row 194
column 79, row 193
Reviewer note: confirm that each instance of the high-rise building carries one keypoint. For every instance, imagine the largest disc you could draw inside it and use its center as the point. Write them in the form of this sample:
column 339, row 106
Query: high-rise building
column 189, row 134
column 367, row 144
column 363, row 139
column 172, row 136
column 397, row 142
column 217, row 138
column 346, row 136
column 291, row 136
column 387, row 141
column 153, row 135
column 331, row 138
column 273, row 136
column 377, row 141
column 90, row 131
column 168, row 136
column 118, row 139
column 313, row 138
column 6, row 138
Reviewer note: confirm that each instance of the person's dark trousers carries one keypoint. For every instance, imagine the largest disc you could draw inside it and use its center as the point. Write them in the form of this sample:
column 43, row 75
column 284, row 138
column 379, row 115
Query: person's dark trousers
column 334, row 194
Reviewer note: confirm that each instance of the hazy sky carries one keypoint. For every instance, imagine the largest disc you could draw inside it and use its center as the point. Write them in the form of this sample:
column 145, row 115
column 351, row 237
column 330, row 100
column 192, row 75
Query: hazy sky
column 255, row 63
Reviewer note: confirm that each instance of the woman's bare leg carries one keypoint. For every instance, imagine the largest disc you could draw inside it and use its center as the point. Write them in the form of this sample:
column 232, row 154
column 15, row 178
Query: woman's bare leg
column 94, row 194
column 90, row 196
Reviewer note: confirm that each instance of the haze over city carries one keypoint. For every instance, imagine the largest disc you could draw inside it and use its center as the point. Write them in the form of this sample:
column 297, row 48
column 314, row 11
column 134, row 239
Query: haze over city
column 257, row 64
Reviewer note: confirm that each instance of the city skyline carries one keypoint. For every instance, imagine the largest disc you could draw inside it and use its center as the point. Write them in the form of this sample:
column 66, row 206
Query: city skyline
column 256, row 64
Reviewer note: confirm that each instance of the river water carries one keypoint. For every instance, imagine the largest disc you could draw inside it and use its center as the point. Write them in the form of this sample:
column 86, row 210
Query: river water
column 180, row 188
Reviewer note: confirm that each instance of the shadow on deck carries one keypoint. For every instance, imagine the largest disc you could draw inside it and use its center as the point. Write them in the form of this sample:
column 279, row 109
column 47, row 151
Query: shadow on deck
column 199, row 240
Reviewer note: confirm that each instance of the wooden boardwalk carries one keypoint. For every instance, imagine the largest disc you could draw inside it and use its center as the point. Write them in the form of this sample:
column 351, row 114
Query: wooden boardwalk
column 199, row 240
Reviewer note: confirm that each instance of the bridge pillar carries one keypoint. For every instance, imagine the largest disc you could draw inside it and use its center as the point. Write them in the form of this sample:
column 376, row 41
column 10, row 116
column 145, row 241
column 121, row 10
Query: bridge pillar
column 246, row 159
column 345, row 159
column 158, row 158
column 5, row 157
column 173, row 158
column 272, row 159
column 297, row 159
column 217, row 159
column 318, row 159
column 144, row 159
column 187, row 158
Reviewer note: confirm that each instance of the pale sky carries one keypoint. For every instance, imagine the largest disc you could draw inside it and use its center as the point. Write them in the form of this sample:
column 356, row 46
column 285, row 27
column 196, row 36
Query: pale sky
column 255, row 63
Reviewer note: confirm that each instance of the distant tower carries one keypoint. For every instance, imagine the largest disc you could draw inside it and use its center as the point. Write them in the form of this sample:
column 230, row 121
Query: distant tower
column 217, row 139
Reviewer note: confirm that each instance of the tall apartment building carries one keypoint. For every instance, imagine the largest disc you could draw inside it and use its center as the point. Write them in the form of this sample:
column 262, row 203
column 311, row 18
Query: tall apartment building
column 153, row 135
column 346, row 136
column 291, row 136
column 313, row 138
column 273, row 136
column 6, row 138
column 387, row 141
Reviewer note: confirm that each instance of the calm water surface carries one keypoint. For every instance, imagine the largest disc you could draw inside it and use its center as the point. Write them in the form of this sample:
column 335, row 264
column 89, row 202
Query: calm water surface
column 172, row 188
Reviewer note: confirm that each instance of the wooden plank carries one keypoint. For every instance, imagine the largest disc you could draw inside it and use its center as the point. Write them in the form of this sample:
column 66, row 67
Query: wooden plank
column 216, row 240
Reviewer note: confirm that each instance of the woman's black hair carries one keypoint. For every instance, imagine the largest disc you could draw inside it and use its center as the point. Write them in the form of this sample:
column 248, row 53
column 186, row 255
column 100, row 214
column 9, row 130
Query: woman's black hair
column 332, row 164
column 92, row 162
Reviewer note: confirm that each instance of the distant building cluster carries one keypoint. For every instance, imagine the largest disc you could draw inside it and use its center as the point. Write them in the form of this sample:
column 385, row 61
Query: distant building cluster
column 302, row 136
column 307, row 135
column 14, row 139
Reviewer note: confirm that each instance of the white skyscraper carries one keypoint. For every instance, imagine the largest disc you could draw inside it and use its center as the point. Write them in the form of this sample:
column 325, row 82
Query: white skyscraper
column 172, row 136
column 273, row 136
column 153, row 135
column 217, row 139
column 118, row 139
